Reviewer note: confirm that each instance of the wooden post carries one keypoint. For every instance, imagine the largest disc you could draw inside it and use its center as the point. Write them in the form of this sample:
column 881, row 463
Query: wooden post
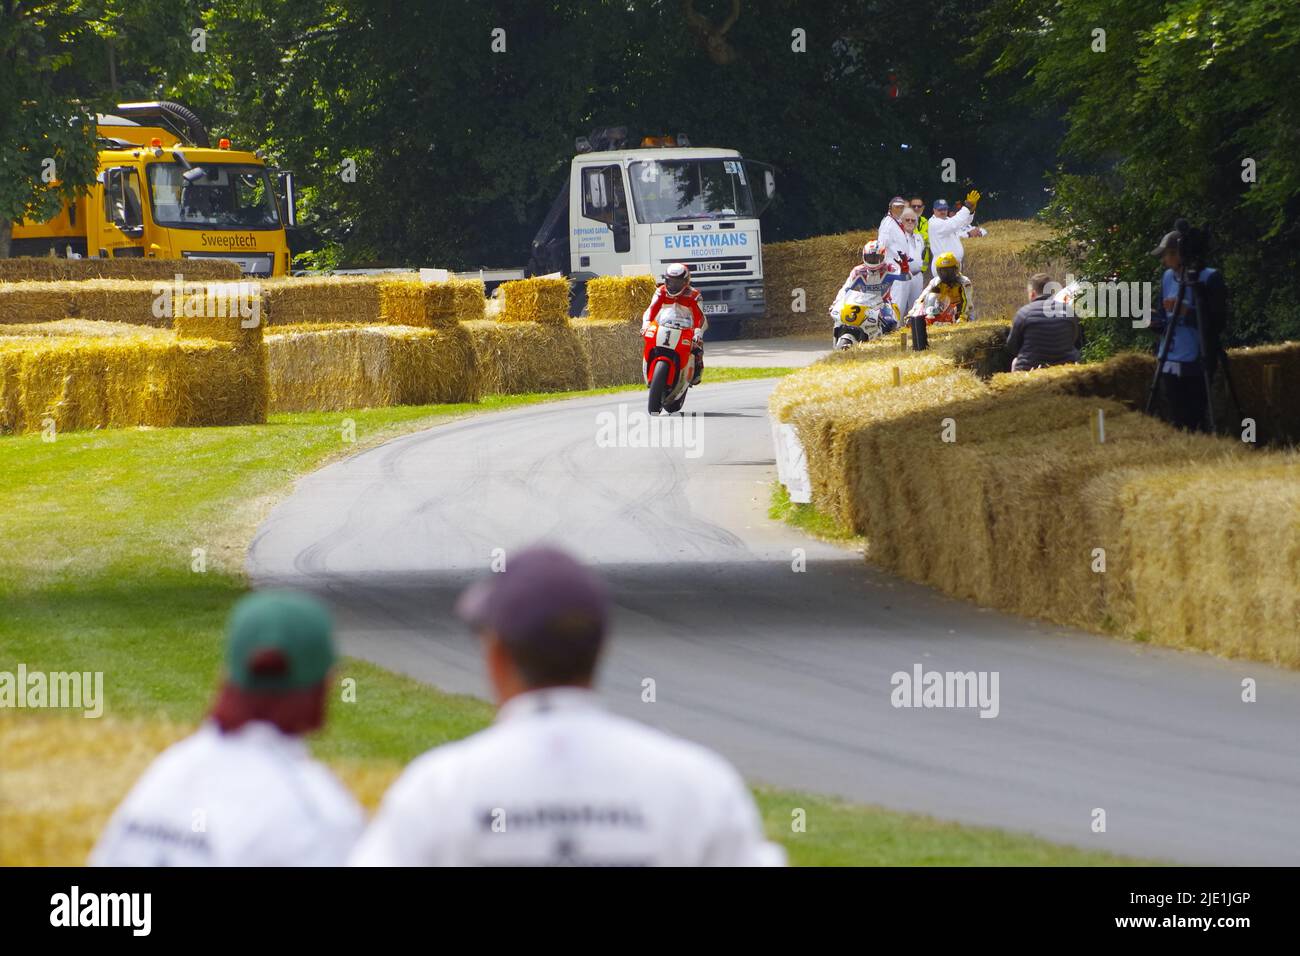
column 1099, row 427
column 898, row 376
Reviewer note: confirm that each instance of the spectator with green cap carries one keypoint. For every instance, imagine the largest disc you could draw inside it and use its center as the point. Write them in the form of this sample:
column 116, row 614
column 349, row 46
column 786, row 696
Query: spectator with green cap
column 243, row 789
column 558, row 780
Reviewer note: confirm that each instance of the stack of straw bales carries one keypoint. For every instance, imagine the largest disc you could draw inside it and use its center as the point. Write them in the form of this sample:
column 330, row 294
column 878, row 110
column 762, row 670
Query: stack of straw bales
column 376, row 366
column 303, row 301
column 411, row 302
column 619, row 298
column 613, row 351
column 50, row 269
column 524, row 357
column 121, row 380
column 1010, row 512
column 106, row 300
column 537, row 299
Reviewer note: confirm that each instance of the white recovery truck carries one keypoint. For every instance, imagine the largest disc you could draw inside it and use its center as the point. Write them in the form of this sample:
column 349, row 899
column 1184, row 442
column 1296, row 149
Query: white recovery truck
column 632, row 210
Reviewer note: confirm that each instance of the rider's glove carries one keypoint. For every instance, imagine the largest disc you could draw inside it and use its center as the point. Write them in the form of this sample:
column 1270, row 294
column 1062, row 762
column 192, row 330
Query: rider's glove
column 904, row 264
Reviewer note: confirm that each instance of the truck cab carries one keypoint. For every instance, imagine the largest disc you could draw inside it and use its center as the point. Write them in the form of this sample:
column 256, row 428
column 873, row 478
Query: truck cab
column 635, row 210
column 163, row 192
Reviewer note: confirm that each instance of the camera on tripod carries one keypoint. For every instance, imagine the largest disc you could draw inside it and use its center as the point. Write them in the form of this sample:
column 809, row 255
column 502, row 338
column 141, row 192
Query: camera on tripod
column 1199, row 302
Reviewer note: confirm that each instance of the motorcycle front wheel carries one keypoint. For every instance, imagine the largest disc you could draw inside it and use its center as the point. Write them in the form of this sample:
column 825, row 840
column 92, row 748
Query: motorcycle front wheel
column 658, row 387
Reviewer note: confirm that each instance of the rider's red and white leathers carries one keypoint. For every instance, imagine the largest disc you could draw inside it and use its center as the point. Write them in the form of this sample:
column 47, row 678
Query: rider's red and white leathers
column 688, row 298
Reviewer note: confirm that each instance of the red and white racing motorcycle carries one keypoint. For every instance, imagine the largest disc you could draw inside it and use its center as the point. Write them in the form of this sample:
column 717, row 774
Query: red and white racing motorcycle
column 668, row 357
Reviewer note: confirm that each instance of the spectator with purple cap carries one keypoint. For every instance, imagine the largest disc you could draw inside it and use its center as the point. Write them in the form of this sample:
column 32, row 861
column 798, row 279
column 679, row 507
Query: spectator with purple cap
column 557, row 779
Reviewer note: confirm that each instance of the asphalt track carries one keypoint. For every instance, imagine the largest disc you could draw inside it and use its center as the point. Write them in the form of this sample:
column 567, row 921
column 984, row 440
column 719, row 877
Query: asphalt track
column 788, row 672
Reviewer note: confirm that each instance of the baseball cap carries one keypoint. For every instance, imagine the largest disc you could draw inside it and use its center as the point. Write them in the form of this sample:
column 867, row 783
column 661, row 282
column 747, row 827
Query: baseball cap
column 898, row 200
column 279, row 641
column 940, row 204
column 542, row 590
column 1170, row 241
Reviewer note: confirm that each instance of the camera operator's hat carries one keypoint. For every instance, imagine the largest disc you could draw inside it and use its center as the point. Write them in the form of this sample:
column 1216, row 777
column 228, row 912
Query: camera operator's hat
column 1170, row 241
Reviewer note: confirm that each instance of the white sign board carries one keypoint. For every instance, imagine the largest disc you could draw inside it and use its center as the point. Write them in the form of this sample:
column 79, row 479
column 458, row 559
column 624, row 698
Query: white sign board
column 791, row 463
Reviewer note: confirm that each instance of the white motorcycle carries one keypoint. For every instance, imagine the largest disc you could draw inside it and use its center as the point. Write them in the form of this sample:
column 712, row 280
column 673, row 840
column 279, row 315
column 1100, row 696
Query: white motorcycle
column 861, row 317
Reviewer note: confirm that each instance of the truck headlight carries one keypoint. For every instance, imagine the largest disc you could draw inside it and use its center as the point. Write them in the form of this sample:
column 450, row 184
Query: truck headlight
column 754, row 292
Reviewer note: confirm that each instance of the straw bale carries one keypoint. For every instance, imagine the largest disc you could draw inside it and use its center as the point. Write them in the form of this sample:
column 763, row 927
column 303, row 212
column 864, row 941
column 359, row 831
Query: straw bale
column 51, row 269
column 1210, row 554
column 122, row 380
column 613, row 351
column 63, row 777
column 1267, row 397
column 1125, row 377
column 84, row 327
column 412, row 302
column 619, row 298
column 535, row 300
column 23, row 303
column 528, row 357
column 373, row 367
column 301, row 300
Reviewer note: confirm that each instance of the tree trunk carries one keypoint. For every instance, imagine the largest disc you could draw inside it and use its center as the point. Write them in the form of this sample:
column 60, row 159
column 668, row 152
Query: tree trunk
column 6, row 233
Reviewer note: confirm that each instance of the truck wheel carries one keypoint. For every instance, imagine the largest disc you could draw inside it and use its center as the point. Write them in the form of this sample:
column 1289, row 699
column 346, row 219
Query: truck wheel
column 658, row 387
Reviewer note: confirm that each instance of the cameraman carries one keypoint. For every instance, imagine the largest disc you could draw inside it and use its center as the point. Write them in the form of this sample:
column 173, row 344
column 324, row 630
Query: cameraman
column 1185, row 283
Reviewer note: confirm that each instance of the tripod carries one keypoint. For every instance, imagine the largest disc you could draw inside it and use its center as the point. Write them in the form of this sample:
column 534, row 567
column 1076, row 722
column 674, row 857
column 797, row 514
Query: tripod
column 1190, row 278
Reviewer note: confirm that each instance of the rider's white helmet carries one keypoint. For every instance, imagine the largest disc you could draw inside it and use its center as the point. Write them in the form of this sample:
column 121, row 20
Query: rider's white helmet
column 676, row 278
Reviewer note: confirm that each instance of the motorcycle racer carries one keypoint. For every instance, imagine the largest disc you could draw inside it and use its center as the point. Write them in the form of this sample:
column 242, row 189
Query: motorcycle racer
column 677, row 290
column 870, row 283
column 948, row 297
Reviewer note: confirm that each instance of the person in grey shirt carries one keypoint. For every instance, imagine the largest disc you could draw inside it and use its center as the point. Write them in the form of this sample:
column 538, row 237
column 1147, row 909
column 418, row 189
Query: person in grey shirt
column 1044, row 331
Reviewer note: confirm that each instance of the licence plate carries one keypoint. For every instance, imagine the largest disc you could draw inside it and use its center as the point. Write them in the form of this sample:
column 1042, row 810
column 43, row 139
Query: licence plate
column 712, row 308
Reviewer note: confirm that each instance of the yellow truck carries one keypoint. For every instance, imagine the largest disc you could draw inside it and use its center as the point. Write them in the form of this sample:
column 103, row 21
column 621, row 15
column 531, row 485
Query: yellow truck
column 164, row 192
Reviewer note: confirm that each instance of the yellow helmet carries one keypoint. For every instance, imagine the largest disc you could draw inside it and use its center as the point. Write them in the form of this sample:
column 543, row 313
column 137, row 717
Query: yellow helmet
column 946, row 261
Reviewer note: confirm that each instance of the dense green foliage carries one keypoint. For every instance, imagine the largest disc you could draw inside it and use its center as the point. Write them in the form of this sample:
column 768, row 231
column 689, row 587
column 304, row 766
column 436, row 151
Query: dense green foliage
column 1192, row 110
column 460, row 145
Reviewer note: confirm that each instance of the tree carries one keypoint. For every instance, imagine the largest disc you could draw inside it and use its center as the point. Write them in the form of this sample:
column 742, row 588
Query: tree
column 1186, row 108
column 61, row 62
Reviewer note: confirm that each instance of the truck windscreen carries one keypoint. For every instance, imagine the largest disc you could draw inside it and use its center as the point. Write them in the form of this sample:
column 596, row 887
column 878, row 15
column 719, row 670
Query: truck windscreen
column 677, row 190
column 227, row 196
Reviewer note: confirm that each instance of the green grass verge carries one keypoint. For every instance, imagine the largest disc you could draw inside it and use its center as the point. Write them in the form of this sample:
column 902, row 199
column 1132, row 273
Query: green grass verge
column 101, row 529
column 806, row 517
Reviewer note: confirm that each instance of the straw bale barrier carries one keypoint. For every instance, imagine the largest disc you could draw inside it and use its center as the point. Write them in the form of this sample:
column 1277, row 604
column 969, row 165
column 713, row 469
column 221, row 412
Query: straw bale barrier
column 122, row 380
column 535, row 300
column 1009, row 513
column 619, row 298
column 524, row 357
column 412, row 302
column 302, row 300
column 613, row 351
column 50, row 269
column 107, row 300
column 999, row 265
column 333, row 369
column 1226, row 534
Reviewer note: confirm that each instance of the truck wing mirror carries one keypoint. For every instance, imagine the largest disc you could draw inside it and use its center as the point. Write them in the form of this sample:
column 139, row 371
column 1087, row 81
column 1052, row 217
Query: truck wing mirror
column 288, row 197
column 766, row 174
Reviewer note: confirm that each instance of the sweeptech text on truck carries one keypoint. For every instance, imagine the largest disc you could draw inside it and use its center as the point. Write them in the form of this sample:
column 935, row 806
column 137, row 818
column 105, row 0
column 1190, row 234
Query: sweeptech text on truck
column 162, row 192
column 634, row 210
